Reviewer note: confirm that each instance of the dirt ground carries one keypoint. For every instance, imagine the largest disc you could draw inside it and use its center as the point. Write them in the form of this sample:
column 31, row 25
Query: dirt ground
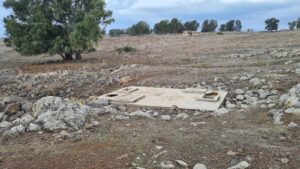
column 168, row 61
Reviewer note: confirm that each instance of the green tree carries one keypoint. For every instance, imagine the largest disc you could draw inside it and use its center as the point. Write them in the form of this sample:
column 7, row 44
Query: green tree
column 223, row 28
column 175, row 26
column 298, row 23
column 64, row 27
column 230, row 26
column 272, row 24
column 162, row 27
column 209, row 26
column 191, row 25
column 141, row 28
column 292, row 25
column 116, row 32
column 238, row 26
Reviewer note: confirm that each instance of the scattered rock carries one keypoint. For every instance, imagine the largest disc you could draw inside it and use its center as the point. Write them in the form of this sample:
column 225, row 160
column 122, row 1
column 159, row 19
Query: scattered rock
column 121, row 117
column 256, row 82
column 18, row 129
column 200, row 166
column 221, row 112
column 239, row 92
column 5, row 124
column 140, row 113
column 293, row 125
column 284, row 160
column 182, row 163
column 27, row 107
column 241, row 165
column 182, row 116
column 166, row 117
column 33, row 127
column 167, row 165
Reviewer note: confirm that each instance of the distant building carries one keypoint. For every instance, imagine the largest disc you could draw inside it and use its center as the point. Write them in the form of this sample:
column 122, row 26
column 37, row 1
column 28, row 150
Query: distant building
column 250, row 30
column 189, row 33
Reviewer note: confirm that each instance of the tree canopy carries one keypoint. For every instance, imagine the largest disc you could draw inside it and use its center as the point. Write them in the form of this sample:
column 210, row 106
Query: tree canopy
column 116, row 32
column 141, row 28
column 272, row 24
column 191, row 25
column 64, row 27
column 162, row 27
column 209, row 26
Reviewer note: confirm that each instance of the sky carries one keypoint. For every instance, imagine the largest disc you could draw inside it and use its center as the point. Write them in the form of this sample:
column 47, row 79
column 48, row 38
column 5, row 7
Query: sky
column 252, row 13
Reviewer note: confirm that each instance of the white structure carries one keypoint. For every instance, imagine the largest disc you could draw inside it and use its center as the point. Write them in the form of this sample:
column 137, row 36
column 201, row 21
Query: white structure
column 192, row 99
column 189, row 33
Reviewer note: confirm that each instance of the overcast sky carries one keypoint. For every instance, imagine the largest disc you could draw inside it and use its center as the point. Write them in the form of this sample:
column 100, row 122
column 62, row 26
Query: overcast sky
column 252, row 13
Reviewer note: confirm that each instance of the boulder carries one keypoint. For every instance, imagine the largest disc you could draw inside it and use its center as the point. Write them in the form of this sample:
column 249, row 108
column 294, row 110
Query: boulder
column 167, row 165
column 33, row 127
column 27, row 107
column 18, row 129
column 5, row 124
column 182, row 116
column 166, row 117
column 140, row 113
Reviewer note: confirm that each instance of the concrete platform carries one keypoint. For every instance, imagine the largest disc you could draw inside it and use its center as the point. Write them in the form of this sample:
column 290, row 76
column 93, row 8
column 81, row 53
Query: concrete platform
column 191, row 99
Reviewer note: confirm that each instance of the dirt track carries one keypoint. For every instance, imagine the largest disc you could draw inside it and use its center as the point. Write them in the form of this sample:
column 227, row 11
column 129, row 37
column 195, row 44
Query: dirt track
column 166, row 61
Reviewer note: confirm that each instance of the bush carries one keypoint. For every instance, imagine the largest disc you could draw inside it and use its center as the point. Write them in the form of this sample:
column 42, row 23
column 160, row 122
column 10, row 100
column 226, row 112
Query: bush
column 126, row 49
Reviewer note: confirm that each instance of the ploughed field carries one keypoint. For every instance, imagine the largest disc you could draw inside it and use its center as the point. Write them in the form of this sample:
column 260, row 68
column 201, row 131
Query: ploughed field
column 51, row 116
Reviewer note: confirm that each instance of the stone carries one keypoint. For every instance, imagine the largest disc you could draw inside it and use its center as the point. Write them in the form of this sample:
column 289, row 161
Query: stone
column 5, row 124
column 166, row 117
column 167, row 165
column 239, row 92
column 295, row 111
column 221, row 112
column 284, row 160
column 59, row 114
column 12, row 109
column 18, row 129
column 199, row 166
column 27, row 107
column 182, row 163
column 195, row 124
column 241, row 165
column 140, row 113
column 33, row 127
column 289, row 62
column 240, row 97
column 297, row 71
column 10, row 99
column 49, row 103
column 121, row 117
column 27, row 118
column 277, row 116
column 230, row 105
column 182, row 116
column 256, row 82
column 2, row 114
column 293, row 125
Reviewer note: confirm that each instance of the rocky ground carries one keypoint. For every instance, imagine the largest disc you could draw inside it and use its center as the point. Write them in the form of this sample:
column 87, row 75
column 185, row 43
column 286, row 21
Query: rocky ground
column 51, row 116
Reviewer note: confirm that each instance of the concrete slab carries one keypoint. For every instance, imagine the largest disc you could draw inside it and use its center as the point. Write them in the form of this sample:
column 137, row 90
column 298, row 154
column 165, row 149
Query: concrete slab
column 191, row 99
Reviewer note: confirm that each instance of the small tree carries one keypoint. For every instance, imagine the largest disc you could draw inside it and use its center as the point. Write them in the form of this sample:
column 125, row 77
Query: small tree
column 116, row 32
column 298, row 23
column 175, row 26
column 162, row 27
column 209, row 26
column 222, row 27
column 238, row 26
column 230, row 26
column 64, row 27
column 292, row 25
column 141, row 28
column 191, row 25
column 272, row 24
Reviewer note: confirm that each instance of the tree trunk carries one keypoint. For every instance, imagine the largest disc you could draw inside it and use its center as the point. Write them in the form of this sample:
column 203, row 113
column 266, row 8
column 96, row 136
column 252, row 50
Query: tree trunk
column 78, row 56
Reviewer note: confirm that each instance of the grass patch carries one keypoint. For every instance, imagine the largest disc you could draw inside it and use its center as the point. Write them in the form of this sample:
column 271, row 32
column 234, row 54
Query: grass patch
column 126, row 49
